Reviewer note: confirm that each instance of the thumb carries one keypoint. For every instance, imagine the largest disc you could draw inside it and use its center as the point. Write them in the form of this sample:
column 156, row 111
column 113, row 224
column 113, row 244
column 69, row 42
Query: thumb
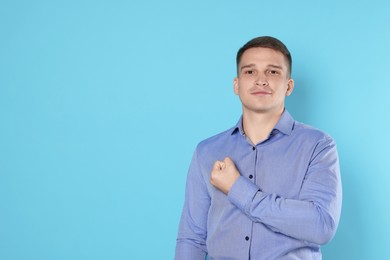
column 228, row 161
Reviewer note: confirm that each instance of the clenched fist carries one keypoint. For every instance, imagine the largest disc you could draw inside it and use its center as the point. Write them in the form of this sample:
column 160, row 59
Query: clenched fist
column 224, row 174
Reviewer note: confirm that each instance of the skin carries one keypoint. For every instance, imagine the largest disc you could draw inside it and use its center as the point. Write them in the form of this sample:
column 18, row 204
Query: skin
column 224, row 174
column 262, row 84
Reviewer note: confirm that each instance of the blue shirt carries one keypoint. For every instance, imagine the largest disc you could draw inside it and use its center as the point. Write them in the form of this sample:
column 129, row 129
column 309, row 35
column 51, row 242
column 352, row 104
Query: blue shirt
column 285, row 204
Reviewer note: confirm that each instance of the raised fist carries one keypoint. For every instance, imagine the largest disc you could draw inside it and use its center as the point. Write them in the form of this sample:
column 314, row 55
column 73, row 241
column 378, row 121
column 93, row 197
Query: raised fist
column 224, row 174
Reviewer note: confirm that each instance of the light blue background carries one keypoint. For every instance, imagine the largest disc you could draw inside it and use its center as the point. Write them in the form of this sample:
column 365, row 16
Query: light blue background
column 103, row 102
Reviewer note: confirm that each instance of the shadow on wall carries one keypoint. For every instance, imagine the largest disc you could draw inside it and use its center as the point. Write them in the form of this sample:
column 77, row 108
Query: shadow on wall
column 299, row 102
column 350, row 240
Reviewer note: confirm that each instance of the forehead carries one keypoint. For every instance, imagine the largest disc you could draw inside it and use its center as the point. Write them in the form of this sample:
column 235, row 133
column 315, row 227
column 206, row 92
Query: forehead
column 263, row 56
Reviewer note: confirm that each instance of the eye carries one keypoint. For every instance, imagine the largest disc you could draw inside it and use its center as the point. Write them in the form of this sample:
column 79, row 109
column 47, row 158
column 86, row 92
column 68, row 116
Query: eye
column 249, row 72
column 273, row 72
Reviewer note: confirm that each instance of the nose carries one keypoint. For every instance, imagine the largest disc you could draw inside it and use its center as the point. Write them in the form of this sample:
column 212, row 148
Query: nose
column 262, row 82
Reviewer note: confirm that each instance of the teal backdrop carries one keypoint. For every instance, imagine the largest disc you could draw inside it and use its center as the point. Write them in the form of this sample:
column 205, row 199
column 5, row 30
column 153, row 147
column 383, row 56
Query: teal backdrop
column 103, row 102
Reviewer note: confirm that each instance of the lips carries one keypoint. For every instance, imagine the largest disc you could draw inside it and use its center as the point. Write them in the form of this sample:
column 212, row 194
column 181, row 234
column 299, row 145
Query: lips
column 260, row 93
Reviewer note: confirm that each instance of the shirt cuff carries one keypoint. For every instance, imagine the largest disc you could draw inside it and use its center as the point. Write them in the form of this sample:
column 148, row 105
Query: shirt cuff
column 242, row 193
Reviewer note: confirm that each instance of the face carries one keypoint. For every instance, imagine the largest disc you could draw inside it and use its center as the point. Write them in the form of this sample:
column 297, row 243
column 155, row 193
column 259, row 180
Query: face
column 263, row 81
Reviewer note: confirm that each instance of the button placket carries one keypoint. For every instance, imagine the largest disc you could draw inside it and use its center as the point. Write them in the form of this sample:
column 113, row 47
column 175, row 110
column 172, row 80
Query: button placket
column 251, row 176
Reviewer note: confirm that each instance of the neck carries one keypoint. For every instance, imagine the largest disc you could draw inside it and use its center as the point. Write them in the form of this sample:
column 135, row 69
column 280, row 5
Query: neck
column 258, row 126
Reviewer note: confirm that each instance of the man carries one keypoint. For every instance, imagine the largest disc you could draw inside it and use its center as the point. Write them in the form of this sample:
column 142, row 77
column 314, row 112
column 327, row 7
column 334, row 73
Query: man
column 268, row 188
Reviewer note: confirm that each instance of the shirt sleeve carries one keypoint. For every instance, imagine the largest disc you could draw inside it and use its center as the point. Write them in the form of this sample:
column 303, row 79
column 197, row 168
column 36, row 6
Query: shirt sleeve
column 191, row 239
column 314, row 216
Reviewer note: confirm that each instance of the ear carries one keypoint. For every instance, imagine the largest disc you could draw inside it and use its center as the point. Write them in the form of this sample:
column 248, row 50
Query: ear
column 290, row 87
column 235, row 84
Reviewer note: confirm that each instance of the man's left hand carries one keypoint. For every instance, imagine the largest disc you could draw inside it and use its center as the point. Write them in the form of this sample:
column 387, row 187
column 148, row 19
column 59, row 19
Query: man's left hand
column 224, row 174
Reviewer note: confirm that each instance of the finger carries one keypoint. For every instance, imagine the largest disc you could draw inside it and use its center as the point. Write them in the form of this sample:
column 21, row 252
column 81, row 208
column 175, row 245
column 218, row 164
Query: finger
column 217, row 165
column 223, row 165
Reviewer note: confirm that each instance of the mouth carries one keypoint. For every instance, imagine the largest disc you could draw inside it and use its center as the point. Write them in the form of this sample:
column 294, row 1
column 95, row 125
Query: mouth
column 260, row 93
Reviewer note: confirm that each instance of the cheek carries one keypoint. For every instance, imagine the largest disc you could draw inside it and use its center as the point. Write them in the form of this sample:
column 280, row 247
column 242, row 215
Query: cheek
column 281, row 85
column 238, row 87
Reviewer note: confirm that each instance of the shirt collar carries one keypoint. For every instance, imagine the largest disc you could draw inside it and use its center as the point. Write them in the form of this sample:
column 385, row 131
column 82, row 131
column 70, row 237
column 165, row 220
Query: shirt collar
column 285, row 124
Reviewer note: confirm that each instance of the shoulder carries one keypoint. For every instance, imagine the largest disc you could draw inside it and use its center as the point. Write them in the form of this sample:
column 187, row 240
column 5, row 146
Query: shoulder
column 215, row 140
column 213, row 148
column 311, row 136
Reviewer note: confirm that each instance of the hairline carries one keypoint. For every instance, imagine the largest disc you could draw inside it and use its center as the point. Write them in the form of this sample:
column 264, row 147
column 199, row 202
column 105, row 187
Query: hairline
column 284, row 57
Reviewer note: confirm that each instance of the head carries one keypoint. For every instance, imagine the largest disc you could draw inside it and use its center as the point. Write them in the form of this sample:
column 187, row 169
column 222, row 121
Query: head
column 266, row 42
column 263, row 76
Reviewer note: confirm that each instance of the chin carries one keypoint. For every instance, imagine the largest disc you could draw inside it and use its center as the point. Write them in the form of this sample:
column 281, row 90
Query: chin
column 263, row 109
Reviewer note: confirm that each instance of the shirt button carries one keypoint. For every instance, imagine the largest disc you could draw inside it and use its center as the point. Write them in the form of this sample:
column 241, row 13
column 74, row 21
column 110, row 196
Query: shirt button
column 253, row 148
column 246, row 238
column 251, row 176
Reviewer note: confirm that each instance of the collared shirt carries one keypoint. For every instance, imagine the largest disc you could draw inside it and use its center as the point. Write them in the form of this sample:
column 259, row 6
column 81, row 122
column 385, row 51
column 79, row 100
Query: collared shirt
column 285, row 204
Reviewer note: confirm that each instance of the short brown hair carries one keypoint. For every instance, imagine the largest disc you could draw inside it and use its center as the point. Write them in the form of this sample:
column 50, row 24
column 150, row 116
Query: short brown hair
column 266, row 42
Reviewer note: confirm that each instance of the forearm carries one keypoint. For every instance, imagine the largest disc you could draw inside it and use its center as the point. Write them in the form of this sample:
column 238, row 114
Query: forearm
column 192, row 234
column 302, row 219
column 188, row 250
column 191, row 238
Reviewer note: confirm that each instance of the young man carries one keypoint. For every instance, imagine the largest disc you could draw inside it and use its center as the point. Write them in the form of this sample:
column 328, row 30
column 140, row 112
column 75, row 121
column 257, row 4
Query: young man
column 268, row 188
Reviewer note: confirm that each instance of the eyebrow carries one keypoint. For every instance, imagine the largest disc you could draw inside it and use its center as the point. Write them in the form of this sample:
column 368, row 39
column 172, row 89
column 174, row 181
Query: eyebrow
column 247, row 66
column 275, row 66
column 253, row 65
